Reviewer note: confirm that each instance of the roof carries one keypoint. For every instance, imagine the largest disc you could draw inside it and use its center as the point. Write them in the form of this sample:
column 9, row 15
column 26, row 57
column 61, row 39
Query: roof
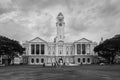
column 37, row 39
column 84, row 40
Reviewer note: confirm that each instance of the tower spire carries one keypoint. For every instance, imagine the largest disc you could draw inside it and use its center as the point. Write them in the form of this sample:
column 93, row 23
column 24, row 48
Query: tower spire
column 60, row 17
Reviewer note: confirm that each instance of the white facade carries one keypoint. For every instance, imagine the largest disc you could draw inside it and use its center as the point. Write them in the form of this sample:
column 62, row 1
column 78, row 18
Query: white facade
column 39, row 51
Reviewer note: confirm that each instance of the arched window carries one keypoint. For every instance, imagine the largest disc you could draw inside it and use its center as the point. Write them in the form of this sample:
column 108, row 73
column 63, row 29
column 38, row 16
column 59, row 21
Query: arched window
column 42, row 60
column 83, row 59
column 32, row 60
column 88, row 60
column 37, row 60
column 79, row 60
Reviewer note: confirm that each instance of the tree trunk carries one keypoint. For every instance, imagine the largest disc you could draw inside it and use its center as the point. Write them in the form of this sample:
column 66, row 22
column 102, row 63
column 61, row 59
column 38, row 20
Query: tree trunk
column 109, row 60
column 112, row 59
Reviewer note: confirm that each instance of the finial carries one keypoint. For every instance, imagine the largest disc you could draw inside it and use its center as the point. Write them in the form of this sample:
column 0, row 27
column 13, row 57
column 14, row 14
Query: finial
column 101, row 40
column 60, row 14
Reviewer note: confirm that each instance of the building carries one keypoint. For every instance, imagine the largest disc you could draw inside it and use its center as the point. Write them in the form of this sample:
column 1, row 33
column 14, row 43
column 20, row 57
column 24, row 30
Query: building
column 39, row 51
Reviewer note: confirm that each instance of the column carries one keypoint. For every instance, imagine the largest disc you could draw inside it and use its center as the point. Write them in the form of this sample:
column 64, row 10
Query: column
column 0, row 59
column 90, row 49
column 45, row 49
column 29, row 49
column 81, row 49
column 75, row 49
column 56, row 50
column 64, row 50
column 39, row 49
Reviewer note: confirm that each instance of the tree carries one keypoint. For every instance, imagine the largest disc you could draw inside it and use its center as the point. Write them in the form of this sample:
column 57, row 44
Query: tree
column 10, row 48
column 109, row 48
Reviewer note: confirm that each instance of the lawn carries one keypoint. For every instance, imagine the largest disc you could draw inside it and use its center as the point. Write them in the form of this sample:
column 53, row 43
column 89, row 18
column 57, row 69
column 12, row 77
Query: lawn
column 84, row 72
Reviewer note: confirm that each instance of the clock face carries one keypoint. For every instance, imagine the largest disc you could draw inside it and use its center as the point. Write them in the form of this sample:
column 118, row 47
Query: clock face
column 60, row 24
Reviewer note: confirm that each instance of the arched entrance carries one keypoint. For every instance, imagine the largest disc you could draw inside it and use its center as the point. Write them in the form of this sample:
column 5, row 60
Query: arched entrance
column 60, row 61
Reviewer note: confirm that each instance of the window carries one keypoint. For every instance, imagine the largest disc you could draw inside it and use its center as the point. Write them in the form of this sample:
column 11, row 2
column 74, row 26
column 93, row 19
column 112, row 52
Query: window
column 71, row 52
column 32, row 49
column 60, row 52
column 83, row 59
column 88, row 60
column 49, row 52
column 53, row 53
column 42, row 60
column 42, row 48
column 88, row 53
column 37, row 49
column 83, row 49
column 60, row 24
column 79, row 60
column 67, row 52
column 37, row 60
column 32, row 60
column 78, row 48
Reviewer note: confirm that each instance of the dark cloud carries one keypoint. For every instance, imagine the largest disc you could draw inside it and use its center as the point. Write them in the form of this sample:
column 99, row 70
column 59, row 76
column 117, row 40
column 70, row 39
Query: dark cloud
column 15, row 31
column 75, row 26
column 6, row 7
column 2, row 10
column 28, row 5
column 34, row 18
column 110, row 9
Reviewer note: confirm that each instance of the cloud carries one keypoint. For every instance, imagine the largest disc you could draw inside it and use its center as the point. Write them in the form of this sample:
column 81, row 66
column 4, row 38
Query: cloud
column 25, row 19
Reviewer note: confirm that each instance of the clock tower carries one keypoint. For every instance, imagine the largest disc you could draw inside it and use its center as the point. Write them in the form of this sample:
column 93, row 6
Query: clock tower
column 60, row 24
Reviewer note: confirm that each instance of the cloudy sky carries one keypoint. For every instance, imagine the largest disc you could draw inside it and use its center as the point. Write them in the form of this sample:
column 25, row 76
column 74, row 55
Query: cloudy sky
column 92, row 19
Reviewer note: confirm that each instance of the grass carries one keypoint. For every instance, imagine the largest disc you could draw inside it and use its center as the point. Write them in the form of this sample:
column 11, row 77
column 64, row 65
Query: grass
column 84, row 72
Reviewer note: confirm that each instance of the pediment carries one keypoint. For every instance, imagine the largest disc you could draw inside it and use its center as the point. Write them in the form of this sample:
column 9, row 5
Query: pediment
column 37, row 39
column 84, row 40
